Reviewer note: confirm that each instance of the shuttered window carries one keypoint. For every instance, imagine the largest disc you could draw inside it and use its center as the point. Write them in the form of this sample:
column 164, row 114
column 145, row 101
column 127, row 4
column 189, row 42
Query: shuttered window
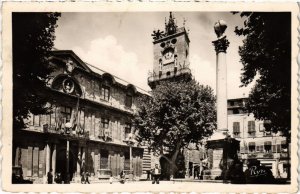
column 251, row 126
column 236, row 129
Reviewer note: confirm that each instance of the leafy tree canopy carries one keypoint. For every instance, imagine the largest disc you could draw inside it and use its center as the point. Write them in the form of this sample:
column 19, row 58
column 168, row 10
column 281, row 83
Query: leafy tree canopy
column 266, row 58
column 177, row 113
column 33, row 36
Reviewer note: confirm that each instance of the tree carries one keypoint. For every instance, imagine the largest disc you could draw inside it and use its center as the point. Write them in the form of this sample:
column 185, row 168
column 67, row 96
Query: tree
column 177, row 114
column 33, row 36
column 266, row 58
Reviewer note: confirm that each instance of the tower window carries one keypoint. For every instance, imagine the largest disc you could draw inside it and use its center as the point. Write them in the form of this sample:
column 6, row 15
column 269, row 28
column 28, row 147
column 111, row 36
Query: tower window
column 186, row 53
column 168, row 73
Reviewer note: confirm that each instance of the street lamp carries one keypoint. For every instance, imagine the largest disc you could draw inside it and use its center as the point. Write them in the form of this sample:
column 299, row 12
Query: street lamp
column 130, row 142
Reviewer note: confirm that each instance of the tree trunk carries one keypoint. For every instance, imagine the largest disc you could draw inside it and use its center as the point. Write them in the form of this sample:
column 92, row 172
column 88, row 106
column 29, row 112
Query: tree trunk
column 173, row 160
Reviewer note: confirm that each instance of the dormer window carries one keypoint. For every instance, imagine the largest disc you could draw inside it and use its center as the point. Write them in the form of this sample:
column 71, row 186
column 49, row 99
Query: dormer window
column 105, row 93
column 130, row 92
column 128, row 100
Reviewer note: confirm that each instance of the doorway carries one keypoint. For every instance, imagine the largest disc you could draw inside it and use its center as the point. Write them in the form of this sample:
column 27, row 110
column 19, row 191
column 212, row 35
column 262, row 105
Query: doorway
column 61, row 161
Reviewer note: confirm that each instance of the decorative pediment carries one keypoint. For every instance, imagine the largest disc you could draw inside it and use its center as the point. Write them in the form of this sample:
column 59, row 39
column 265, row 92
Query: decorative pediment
column 108, row 79
column 67, row 84
column 69, row 60
column 131, row 89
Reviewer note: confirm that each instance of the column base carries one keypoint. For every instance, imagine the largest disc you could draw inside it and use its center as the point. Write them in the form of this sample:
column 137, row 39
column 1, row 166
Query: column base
column 222, row 155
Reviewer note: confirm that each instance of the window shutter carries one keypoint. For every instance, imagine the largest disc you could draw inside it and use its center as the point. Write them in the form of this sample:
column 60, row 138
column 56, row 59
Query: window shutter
column 249, row 126
column 110, row 129
column 242, row 149
column 278, row 148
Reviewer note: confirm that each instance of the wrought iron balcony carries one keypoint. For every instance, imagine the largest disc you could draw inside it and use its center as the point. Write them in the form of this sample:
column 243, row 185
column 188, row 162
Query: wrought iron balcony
column 170, row 74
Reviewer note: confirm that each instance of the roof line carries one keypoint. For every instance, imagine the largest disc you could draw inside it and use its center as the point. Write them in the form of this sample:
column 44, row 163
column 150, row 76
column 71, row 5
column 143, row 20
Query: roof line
column 115, row 76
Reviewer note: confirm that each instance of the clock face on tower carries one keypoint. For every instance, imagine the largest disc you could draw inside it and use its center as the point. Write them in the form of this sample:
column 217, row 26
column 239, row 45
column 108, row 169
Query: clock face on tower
column 168, row 56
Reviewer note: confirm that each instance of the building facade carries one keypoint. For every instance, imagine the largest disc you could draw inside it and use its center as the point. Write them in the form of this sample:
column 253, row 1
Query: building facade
column 88, row 130
column 255, row 141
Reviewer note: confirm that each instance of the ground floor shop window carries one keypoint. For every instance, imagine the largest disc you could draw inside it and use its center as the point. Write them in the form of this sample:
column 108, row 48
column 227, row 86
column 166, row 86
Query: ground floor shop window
column 251, row 147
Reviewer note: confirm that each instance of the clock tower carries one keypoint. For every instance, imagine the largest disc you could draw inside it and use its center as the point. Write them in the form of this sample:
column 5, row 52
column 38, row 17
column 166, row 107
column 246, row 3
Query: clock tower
column 171, row 53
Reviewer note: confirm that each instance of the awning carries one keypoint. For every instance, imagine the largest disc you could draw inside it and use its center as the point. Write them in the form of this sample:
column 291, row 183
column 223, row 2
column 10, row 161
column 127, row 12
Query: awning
column 283, row 142
column 267, row 143
column 251, row 144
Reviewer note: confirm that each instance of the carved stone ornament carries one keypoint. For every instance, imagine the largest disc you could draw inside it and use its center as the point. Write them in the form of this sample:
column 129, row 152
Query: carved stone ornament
column 220, row 27
column 68, row 85
column 221, row 44
column 70, row 66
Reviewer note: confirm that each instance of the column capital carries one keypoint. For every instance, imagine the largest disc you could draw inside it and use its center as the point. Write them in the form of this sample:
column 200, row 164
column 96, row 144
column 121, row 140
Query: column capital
column 221, row 44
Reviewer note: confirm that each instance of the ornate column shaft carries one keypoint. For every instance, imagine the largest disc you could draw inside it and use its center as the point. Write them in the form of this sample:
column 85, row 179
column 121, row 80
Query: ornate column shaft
column 221, row 46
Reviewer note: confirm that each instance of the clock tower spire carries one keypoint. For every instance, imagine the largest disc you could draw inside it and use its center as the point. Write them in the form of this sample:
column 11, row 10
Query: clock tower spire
column 171, row 53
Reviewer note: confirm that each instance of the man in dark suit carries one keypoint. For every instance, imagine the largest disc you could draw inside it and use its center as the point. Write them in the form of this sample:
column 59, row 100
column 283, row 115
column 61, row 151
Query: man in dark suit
column 156, row 174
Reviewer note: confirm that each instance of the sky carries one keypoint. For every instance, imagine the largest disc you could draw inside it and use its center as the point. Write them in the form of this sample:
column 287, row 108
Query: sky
column 121, row 44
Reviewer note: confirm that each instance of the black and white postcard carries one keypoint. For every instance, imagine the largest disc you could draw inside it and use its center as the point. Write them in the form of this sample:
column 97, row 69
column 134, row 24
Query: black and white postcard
column 149, row 97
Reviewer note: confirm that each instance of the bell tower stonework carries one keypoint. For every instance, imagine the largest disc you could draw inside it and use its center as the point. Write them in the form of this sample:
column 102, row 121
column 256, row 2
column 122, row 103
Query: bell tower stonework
column 171, row 53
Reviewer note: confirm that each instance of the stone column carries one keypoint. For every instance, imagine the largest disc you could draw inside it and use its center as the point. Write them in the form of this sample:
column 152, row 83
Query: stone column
column 83, row 162
column 130, row 157
column 47, row 158
column 78, row 164
column 222, row 147
column 54, row 158
column 221, row 45
column 67, row 161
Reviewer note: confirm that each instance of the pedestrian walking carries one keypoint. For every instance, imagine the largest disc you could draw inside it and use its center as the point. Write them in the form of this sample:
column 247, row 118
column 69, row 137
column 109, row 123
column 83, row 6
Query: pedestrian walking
column 58, row 178
column 111, row 178
column 86, row 178
column 156, row 174
column 122, row 177
column 82, row 178
column 50, row 177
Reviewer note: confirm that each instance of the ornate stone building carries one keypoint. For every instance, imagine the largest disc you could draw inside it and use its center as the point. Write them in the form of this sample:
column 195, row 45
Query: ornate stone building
column 255, row 141
column 88, row 130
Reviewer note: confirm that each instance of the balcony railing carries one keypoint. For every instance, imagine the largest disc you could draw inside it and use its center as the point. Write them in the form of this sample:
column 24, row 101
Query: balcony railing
column 260, row 155
column 154, row 77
